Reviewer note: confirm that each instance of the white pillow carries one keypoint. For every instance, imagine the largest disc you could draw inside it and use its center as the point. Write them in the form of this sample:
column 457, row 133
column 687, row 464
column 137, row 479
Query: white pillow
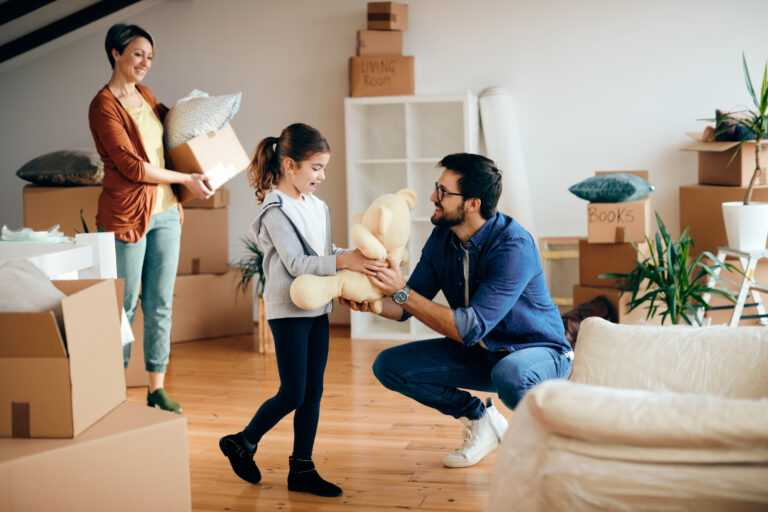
column 198, row 113
column 24, row 288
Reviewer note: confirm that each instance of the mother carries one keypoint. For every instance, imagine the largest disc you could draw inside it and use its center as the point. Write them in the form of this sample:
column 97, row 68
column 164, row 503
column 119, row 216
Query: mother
column 137, row 202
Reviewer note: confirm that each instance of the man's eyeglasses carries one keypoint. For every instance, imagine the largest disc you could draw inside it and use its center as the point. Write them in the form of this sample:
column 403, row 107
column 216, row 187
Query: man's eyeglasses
column 441, row 192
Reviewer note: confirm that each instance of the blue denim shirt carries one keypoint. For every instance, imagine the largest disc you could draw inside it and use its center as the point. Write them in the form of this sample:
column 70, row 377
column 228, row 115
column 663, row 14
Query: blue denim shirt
column 509, row 303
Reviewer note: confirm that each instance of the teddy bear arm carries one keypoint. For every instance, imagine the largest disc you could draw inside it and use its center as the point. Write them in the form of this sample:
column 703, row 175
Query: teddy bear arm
column 367, row 243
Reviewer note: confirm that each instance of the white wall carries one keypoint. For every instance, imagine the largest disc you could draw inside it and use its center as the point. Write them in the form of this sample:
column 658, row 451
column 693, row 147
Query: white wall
column 599, row 84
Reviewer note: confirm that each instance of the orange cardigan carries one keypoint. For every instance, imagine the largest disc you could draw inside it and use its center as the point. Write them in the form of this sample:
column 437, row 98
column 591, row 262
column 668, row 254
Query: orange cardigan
column 126, row 201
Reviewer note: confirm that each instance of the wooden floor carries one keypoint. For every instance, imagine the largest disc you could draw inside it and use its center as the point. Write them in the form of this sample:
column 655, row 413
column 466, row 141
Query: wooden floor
column 383, row 449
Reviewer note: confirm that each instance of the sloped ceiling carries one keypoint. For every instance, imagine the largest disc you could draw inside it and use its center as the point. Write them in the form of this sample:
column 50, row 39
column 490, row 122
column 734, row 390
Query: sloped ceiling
column 29, row 24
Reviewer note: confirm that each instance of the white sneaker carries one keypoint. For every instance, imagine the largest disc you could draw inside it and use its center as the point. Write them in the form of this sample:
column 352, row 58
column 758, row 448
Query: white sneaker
column 481, row 437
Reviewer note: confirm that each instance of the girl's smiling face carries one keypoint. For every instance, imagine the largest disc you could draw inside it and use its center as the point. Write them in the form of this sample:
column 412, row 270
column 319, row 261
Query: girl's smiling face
column 304, row 177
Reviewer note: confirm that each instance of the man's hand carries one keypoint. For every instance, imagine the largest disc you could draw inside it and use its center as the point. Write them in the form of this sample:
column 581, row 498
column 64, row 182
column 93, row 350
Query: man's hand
column 390, row 279
column 363, row 307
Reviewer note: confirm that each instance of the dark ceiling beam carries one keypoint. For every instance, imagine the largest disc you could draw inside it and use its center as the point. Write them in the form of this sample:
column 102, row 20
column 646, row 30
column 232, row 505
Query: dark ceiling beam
column 61, row 27
column 13, row 9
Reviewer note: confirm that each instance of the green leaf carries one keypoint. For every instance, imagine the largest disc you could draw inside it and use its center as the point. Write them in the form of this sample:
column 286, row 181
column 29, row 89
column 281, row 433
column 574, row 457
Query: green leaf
column 749, row 81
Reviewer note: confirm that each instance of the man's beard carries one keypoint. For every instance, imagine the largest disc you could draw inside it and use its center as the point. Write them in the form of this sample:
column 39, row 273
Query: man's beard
column 448, row 219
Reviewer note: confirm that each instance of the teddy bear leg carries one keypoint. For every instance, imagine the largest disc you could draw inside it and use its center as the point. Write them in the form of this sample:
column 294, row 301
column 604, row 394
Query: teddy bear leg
column 311, row 292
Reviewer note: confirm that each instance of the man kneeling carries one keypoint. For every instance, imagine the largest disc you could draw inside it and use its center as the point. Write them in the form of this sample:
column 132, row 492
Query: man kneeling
column 502, row 332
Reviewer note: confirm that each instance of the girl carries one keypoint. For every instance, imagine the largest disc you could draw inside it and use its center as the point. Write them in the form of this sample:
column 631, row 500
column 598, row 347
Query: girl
column 293, row 230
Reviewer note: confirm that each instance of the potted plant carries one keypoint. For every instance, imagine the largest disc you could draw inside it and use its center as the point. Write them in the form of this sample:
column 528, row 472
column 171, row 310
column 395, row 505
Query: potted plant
column 672, row 282
column 250, row 266
column 746, row 223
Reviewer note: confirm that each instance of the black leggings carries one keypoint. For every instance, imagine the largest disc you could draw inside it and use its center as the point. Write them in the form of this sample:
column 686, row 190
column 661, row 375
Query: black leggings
column 301, row 349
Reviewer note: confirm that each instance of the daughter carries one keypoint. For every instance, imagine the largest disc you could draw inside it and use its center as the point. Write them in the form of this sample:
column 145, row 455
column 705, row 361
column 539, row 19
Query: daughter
column 293, row 230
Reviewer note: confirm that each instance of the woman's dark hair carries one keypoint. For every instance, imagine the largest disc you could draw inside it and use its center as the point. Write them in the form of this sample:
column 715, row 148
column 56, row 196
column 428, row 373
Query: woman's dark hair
column 298, row 142
column 119, row 36
column 480, row 178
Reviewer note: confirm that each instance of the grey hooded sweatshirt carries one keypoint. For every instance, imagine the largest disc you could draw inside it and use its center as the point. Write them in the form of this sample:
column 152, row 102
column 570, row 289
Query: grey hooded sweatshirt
column 287, row 255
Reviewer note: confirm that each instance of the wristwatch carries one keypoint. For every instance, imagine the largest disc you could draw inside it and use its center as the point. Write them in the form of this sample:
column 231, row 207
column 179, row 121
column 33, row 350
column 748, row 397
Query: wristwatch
column 401, row 295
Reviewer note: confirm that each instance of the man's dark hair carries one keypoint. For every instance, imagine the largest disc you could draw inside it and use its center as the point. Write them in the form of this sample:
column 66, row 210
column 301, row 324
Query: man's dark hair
column 479, row 177
column 119, row 36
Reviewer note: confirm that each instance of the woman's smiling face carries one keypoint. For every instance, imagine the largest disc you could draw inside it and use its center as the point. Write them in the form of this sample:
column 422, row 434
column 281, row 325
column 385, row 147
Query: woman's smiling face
column 135, row 61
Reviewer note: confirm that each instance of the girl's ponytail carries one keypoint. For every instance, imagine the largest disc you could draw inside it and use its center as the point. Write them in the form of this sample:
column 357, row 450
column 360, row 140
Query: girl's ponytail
column 264, row 169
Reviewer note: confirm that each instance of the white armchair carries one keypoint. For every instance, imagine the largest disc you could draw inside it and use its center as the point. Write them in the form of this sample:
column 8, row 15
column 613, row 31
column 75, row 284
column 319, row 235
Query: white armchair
column 652, row 418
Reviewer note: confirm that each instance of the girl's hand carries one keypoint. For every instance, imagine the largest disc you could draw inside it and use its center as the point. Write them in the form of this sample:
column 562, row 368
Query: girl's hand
column 356, row 260
column 198, row 185
column 363, row 307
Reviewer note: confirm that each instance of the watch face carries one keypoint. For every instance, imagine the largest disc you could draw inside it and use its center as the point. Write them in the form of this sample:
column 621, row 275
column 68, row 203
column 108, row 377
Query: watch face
column 400, row 296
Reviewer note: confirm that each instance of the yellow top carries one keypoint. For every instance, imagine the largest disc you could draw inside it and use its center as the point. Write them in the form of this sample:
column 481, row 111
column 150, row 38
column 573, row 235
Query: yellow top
column 151, row 131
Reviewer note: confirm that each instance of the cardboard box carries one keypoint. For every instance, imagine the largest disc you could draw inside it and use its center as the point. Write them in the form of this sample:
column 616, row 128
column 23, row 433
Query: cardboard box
column 219, row 155
column 219, row 199
column 204, row 243
column 613, row 223
column 701, row 211
column 44, row 207
column 379, row 42
column 134, row 458
column 381, row 75
column 582, row 294
column 716, row 167
column 208, row 306
column 387, row 16
column 597, row 259
column 49, row 388
column 642, row 174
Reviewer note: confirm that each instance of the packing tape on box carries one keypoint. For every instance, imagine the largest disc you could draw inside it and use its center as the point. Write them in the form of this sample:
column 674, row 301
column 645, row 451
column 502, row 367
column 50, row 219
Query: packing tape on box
column 502, row 142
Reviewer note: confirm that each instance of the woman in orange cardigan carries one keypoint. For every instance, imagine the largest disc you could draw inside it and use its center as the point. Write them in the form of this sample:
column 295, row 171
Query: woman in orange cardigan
column 137, row 202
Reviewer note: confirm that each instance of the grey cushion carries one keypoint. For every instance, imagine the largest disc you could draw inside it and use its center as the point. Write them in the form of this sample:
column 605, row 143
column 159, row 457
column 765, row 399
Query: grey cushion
column 26, row 289
column 196, row 114
column 612, row 188
column 62, row 168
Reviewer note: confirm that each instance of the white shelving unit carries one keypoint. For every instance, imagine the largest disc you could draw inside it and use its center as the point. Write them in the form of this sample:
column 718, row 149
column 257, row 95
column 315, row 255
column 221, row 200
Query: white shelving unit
column 395, row 142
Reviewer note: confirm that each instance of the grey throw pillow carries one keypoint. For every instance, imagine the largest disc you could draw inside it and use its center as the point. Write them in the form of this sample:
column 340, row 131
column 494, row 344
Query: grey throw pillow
column 612, row 188
column 196, row 114
column 63, row 168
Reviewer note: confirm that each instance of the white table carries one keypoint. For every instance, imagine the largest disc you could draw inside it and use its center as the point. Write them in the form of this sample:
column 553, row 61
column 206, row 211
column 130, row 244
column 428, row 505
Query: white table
column 56, row 260
column 748, row 260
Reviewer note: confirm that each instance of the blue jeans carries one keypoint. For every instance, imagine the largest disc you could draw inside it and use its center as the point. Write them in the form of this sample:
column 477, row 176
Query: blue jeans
column 149, row 266
column 432, row 371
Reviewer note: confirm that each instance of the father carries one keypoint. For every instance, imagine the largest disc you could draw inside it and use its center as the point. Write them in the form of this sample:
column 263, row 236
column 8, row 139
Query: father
column 502, row 332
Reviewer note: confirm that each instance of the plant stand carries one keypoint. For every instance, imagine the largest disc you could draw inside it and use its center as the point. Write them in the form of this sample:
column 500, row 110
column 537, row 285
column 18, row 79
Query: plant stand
column 266, row 344
column 748, row 285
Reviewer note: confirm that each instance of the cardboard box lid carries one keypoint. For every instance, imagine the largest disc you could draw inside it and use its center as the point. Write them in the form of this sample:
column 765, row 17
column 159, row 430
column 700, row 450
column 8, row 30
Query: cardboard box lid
column 19, row 328
column 379, row 7
column 713, row 146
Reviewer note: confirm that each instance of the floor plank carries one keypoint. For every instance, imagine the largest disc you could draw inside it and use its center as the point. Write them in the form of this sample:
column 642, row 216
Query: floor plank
column 383, row 449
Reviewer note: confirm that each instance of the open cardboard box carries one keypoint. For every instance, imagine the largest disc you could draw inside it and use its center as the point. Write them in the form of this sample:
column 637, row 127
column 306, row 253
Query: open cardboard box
column 49, row 388
column 219, row 155
column 718, row 166
column 133, row 459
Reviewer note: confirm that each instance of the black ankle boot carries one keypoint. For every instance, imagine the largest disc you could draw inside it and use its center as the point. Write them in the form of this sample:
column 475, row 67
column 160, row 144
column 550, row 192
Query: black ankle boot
column 303, row 477
column 240, row 458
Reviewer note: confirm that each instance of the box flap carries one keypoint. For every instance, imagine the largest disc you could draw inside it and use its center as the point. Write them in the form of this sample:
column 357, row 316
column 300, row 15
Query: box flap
column 30, row 335
column 710, row 146
column 92, row 325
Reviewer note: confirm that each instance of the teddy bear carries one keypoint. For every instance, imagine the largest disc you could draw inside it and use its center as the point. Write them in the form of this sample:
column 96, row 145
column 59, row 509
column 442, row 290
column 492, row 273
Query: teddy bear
column 381, row 231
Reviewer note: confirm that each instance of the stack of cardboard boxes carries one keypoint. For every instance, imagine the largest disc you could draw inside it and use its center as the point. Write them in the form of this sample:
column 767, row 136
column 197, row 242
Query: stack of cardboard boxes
column 380, row 69
column 607, row 249
column 723, row 176
column 67, row 384
column 205, row 303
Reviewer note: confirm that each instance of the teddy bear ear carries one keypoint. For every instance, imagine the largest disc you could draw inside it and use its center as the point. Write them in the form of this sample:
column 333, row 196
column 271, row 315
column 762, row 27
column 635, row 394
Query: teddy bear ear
column 410, row 197
column 357, row 218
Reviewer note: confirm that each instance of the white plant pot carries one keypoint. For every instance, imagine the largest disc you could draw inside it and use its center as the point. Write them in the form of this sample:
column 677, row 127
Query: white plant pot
column 746, row 225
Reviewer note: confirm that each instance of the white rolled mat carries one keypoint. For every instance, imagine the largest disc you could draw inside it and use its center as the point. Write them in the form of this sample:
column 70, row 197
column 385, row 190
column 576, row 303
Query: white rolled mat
column 502, row 142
